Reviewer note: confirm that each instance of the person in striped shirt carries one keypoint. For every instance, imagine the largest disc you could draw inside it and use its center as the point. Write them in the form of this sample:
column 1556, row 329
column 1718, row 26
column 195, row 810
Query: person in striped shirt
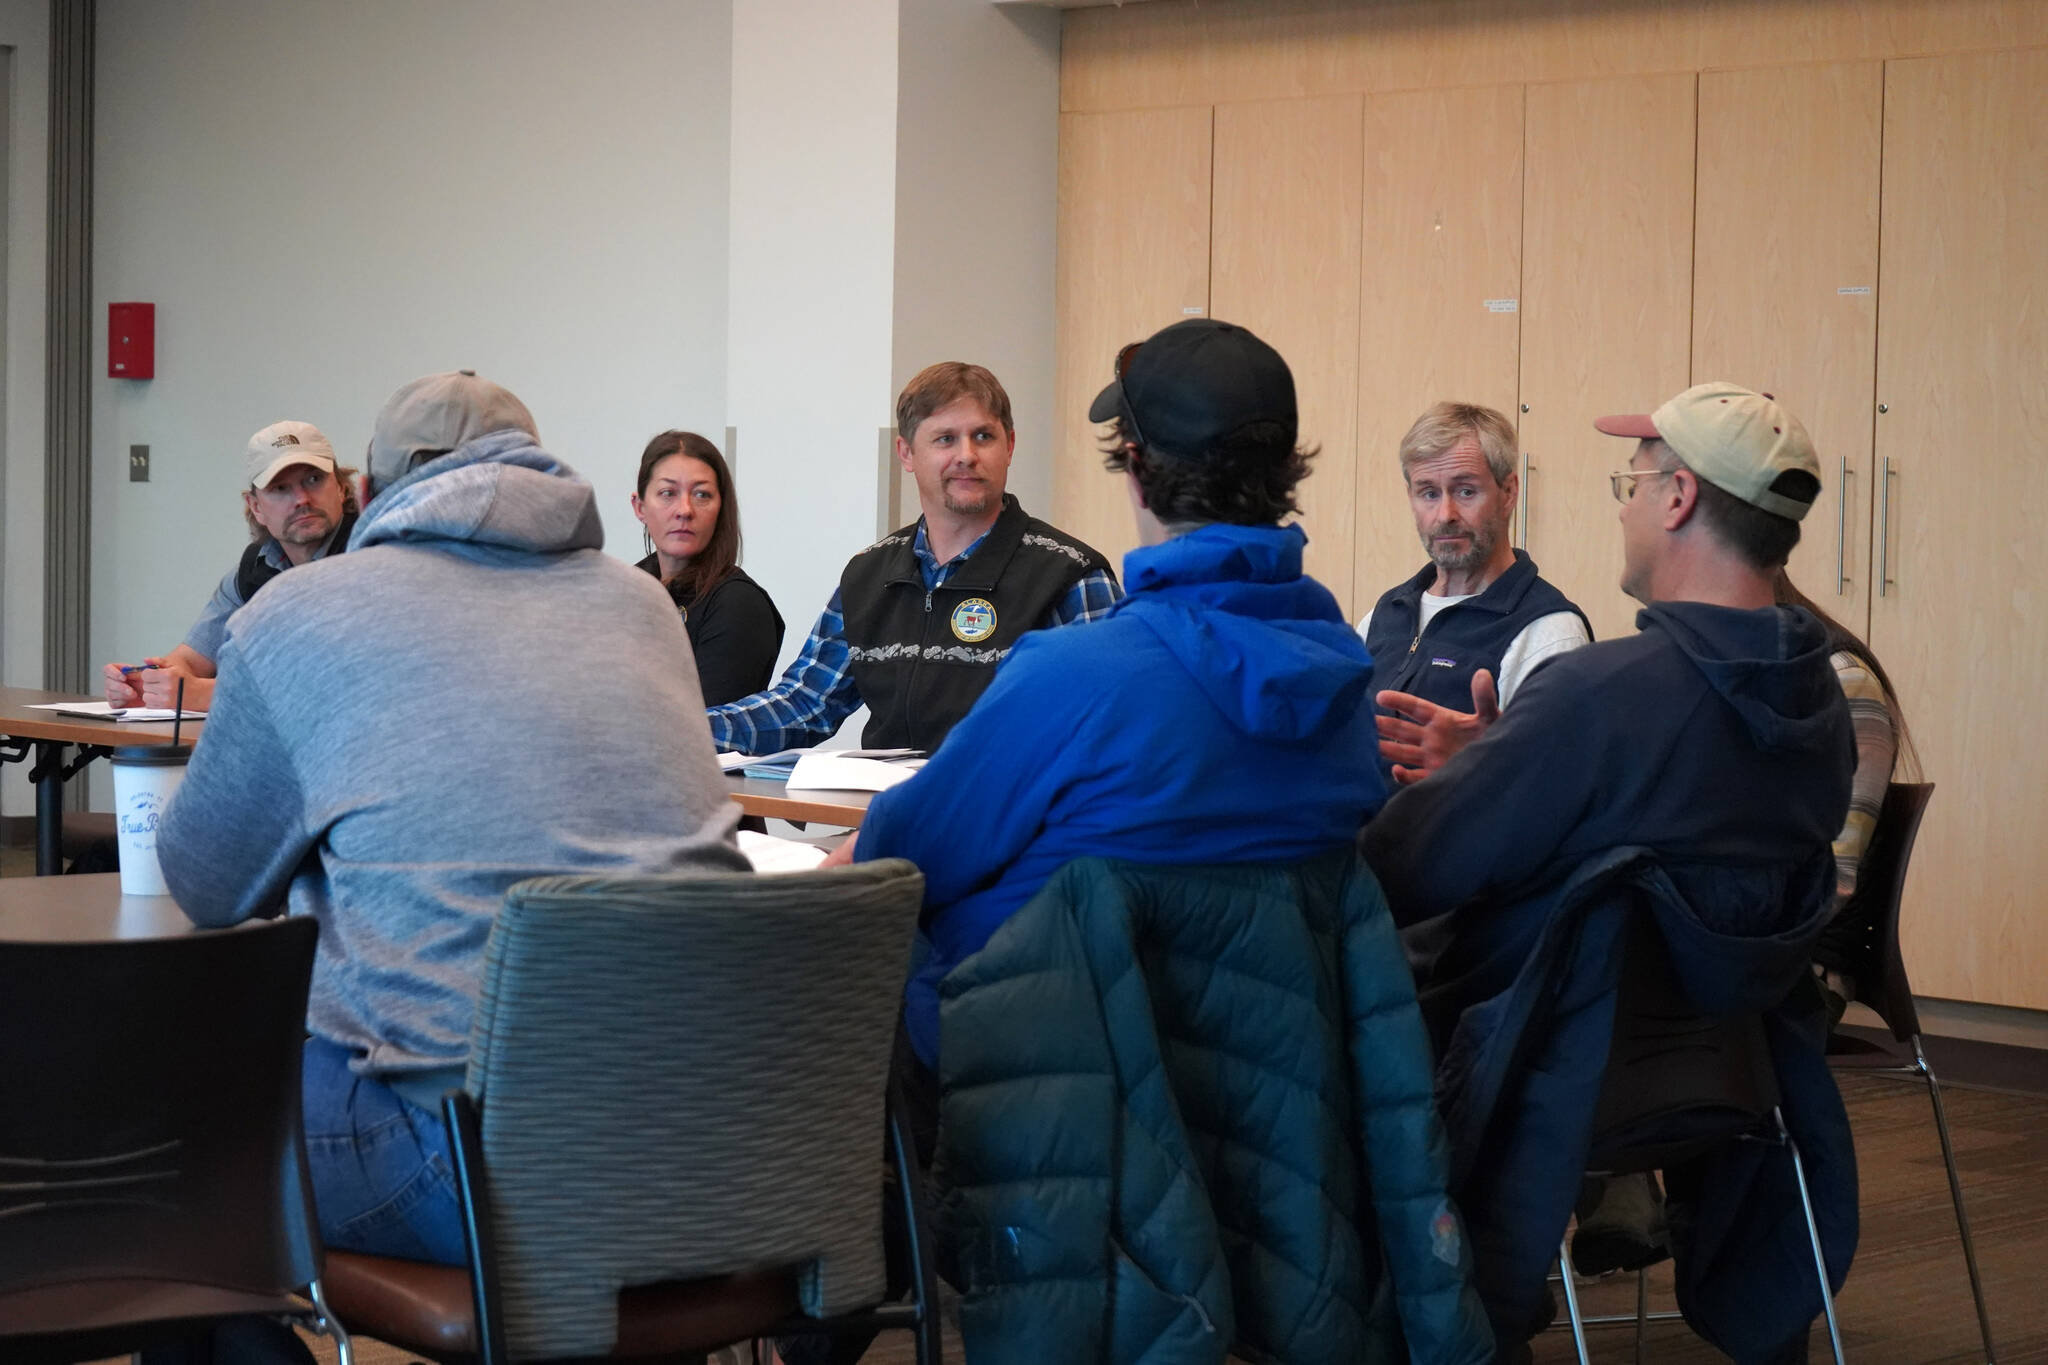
column 1883, row 747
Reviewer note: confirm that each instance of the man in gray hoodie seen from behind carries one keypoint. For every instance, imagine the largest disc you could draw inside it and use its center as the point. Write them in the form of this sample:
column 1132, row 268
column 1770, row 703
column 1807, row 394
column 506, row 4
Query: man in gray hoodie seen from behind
column 352, row 770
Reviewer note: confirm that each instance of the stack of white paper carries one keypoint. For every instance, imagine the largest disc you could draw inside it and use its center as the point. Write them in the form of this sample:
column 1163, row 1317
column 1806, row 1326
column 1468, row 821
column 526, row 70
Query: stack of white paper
column 850, row 770
column 99, row 710
column 770, row 854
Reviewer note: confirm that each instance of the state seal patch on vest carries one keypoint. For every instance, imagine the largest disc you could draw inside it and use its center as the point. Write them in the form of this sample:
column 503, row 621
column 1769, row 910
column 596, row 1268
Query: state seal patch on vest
column 974, row 619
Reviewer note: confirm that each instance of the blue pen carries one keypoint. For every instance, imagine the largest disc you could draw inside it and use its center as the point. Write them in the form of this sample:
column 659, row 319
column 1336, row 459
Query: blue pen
column 126, row 669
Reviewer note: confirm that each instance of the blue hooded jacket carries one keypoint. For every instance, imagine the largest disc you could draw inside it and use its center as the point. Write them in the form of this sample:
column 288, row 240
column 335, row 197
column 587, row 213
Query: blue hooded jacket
column 1218, row 714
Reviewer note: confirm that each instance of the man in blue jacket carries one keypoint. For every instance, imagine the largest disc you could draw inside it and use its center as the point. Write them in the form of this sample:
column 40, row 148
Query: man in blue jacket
column 1217, row 714
column 1717, row 738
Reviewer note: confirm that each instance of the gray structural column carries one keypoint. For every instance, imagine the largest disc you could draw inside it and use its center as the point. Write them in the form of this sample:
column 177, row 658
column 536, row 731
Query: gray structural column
column 67, row 478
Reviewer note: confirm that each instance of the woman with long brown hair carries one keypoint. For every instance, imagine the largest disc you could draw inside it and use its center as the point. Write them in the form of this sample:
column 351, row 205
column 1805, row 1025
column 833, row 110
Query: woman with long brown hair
column 685, row 500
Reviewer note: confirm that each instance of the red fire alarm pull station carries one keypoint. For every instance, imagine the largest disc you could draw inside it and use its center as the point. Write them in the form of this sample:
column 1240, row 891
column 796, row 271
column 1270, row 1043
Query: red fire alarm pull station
column 131, row 341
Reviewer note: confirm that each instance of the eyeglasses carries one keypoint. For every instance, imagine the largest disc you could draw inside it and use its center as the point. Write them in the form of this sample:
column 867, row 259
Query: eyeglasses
column 1123, row 367
column 1625, row 479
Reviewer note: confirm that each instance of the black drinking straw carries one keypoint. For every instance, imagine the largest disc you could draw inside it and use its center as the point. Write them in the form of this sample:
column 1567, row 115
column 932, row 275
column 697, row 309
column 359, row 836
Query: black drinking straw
column 179, row 707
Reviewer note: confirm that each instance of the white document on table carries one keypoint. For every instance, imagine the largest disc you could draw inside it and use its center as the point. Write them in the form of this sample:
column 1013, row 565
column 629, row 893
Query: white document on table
column 770, row 854
column 851, row 770
column 99, row 710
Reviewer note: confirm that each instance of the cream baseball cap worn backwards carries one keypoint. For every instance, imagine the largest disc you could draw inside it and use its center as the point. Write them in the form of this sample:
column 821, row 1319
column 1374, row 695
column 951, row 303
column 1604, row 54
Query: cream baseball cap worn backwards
column 1740, row 441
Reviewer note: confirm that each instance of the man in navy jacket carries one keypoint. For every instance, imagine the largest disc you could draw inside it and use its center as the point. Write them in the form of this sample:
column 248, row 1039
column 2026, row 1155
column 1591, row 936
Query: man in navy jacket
column 1716, row 737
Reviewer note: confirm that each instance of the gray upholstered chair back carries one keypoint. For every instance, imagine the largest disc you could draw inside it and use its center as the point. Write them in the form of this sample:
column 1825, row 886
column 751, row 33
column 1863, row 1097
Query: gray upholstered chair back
column 685, row 1076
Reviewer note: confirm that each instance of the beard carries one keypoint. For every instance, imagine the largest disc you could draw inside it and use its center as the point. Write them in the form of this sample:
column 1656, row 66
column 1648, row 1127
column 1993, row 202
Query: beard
column 1478, row 550
column 307, row 530
column 962, row 502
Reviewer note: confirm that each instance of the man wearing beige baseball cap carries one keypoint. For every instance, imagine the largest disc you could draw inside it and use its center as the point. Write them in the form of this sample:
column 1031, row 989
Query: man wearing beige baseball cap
column 1697, row 770
column 300, row 505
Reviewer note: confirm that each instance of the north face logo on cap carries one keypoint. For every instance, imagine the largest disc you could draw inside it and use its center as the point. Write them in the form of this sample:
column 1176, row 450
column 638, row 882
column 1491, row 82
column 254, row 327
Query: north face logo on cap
column 285, row 440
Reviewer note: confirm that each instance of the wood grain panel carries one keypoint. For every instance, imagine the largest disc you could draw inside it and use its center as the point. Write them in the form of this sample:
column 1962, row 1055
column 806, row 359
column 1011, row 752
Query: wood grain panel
column 1788, row 181
column 1606, row 309
column 1179, row 52
column 1962, row 355
column 1438, row 244
column 1133, row 256
column 1284, row 262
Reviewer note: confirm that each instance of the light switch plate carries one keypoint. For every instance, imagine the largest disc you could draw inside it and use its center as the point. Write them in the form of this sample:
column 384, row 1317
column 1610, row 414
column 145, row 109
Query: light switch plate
column 138, row 464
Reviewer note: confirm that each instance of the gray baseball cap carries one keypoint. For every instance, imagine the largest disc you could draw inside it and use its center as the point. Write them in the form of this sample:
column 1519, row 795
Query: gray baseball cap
column 434, row 415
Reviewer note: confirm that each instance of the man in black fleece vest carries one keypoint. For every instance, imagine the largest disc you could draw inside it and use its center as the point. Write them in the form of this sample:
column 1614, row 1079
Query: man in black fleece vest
column 922, row 617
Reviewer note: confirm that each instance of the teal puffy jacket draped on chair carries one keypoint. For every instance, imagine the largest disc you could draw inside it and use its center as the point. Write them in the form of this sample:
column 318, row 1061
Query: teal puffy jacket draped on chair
column 1188, row 1110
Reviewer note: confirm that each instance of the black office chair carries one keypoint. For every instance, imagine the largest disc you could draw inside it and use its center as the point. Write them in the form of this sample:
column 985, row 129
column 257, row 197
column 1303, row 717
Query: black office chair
column 1678, row 1085
column 152, row 1161
column 1863, row 940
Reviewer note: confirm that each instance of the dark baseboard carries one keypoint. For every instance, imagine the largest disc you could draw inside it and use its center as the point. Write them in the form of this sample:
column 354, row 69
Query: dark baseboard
column 1974, row 1064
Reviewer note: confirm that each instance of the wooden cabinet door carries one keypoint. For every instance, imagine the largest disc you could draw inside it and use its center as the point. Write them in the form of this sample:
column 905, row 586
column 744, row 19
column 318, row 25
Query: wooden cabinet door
column 1441, row 276
column 1606, row 309
column 1962, row 373
column 1284, row 262
column 1133, row 256
column 1785, row 284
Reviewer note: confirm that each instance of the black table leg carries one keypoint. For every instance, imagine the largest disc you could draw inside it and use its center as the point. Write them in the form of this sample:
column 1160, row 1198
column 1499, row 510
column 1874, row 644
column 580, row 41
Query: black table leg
column 49, row 776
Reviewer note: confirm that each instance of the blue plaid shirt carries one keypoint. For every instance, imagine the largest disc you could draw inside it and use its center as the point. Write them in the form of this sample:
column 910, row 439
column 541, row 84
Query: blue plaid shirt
column 817, row 692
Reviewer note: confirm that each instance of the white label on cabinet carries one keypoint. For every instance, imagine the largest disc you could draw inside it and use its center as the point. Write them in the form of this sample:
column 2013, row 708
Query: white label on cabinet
column 1193, row 310
column 1502, row 305
column 1854, row 289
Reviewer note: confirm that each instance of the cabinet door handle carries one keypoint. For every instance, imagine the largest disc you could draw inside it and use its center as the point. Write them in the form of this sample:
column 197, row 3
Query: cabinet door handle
column 1842, row 531
column 1884, row 530
column 1523, row 539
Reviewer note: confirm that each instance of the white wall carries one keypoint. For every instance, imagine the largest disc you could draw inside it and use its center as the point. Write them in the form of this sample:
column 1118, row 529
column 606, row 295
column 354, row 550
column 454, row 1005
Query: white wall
column 327, row 200
column 25, row 32
column 977, row 190
column 812, row 223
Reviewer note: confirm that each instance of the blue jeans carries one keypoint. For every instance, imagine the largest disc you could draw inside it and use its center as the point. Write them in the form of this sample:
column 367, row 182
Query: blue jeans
column 382, row 1179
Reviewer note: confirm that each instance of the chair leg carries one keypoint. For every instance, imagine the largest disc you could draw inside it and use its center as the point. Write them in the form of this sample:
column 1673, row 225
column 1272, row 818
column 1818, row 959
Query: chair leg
column 327, row 1325
column 1820, row 1264
column 924, row 1278
column 1955, row 1193
column 1642, row 1309
column 1571, row 1301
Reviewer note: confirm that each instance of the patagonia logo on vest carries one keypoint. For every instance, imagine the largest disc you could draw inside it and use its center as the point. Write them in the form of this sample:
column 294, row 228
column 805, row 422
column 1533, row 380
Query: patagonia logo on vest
column 1445, row 1243
column 974, row 619
column 1441, row 662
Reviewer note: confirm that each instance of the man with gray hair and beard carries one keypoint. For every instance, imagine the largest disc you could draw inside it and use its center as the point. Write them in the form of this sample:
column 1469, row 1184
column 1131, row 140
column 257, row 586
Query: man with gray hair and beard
column 1477, row 619
column 348, row 775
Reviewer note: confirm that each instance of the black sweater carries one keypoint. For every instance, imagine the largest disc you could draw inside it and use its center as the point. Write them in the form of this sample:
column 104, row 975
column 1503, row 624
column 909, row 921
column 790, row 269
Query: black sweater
column 735, row 632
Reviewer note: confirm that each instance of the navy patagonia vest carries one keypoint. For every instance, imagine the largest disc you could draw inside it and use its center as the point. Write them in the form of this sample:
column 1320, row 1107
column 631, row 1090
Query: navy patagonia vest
column 921, row 659
column 1437, row 664
column 254, row 570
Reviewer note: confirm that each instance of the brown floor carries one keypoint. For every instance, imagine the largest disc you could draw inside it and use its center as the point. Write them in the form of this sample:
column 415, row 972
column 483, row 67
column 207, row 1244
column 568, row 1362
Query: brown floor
column 1908, row 1300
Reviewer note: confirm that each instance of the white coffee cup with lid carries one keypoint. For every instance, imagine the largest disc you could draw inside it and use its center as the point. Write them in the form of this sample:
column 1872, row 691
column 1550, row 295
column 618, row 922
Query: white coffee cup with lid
column 145, row 775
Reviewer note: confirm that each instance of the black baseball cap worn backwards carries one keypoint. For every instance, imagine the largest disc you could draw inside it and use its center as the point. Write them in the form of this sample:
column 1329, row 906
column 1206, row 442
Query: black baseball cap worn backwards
column 1188, row 386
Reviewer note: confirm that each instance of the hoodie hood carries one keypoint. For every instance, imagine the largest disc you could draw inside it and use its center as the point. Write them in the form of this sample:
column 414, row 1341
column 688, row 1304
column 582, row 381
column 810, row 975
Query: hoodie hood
column 1771, row 666
column 501, row 491
column 1267, row 646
